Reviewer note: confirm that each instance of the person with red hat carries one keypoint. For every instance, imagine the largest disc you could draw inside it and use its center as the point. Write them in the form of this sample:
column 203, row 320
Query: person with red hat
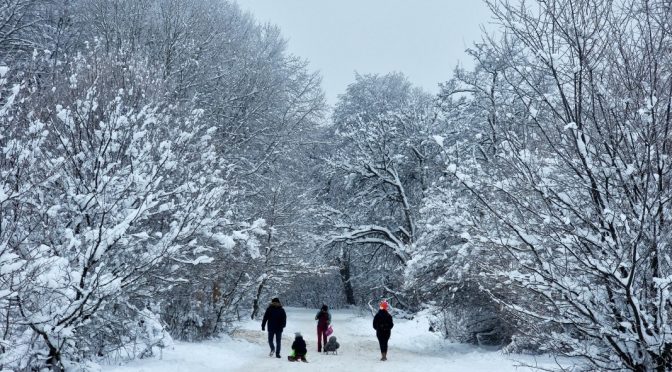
column 383, row 324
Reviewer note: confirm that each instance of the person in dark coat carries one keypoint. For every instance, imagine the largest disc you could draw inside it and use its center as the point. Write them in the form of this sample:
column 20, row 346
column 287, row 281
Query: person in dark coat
column 323, row 320
column 383, row 324
column 276, row 318
column 299, row 349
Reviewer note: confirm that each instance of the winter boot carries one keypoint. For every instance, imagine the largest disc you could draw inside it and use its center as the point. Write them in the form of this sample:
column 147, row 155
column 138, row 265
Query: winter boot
column 384, row 358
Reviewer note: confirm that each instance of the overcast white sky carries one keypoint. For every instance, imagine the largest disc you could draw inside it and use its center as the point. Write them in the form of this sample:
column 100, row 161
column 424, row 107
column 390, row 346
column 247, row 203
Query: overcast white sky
column 424, row 39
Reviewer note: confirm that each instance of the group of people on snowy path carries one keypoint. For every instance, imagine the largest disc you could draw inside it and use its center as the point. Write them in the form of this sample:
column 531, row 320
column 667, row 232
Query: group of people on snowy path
column 275, row 319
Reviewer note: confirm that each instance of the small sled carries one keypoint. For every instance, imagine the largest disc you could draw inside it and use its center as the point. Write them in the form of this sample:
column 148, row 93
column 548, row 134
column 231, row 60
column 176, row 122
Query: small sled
column 292, row 358
column 331, row 346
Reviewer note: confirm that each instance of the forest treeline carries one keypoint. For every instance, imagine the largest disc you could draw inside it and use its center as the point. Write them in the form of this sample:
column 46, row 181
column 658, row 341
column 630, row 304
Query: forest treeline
column 167, row 166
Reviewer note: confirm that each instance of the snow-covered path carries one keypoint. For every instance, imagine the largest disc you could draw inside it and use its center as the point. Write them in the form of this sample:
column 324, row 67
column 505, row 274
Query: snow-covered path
column 411, row 348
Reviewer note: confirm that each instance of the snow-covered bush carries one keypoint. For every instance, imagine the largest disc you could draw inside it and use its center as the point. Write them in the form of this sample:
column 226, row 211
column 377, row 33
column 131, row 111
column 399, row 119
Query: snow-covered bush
column 444, row 276
column 212, row 293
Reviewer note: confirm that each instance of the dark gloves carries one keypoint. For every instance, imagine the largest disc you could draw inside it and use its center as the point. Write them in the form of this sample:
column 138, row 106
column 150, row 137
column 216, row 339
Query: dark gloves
column 263, row 329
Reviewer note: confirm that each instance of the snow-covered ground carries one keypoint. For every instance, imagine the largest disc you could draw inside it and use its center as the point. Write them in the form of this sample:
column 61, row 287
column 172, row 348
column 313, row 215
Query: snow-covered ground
column 411, row 348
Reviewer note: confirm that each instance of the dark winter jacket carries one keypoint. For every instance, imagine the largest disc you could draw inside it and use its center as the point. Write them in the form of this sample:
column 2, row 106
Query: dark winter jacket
column 332, row 344
column 299, row 346
column 323, row 319
column 382, row 322
column 275, row 316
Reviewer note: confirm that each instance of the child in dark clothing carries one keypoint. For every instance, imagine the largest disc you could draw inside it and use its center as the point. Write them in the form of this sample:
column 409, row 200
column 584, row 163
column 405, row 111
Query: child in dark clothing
column 299, row 349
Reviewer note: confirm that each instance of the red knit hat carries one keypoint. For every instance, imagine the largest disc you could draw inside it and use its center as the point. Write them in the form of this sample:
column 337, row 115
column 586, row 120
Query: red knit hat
column 384, row 305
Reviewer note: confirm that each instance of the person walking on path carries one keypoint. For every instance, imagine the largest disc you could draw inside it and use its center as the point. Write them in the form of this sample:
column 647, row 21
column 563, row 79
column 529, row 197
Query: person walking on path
column 277, row 320
column 323, row 320
column 383, row 324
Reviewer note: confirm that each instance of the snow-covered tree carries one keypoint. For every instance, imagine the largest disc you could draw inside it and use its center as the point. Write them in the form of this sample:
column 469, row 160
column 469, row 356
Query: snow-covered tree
column 572, row 206
column 22, row 28
column 99, row 208
column 377, row 175
column 261, row 102
column 475, row 106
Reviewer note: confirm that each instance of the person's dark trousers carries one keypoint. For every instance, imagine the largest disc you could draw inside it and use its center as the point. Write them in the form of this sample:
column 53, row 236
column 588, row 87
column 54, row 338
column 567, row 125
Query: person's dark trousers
column 383, row 337
column 278, row 336
column 321, row 337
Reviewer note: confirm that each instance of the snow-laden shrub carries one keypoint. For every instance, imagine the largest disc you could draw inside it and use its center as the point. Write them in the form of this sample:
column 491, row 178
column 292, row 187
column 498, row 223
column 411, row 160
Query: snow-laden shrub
column 469, row 316
column 445, row 274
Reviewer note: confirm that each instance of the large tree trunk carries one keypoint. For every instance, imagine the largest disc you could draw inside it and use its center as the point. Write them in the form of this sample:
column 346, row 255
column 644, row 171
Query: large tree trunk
column 344, row 270
column 255, row 304
column 54, row 360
